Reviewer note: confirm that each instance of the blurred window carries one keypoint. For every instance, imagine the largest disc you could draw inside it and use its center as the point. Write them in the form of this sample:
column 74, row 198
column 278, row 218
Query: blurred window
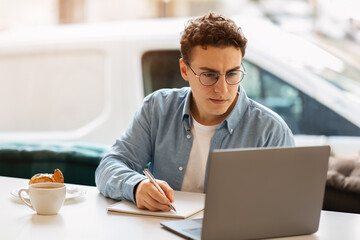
column 301, row 112
column 161, row 70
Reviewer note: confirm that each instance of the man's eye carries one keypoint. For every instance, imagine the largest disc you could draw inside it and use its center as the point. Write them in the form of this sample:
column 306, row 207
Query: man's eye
column 210, row 75
column 233, row 73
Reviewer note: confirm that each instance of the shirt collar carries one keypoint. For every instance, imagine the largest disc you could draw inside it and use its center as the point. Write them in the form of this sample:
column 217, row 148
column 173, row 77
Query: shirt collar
column 186, row 111
column 231, row 121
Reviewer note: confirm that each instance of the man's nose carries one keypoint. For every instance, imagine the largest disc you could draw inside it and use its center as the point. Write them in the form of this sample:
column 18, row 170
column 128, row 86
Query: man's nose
column 221, row 84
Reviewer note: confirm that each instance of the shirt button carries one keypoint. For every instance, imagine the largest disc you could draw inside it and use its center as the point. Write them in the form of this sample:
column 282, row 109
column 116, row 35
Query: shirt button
column 188, row 136
column 231, row 130
column 180, row 168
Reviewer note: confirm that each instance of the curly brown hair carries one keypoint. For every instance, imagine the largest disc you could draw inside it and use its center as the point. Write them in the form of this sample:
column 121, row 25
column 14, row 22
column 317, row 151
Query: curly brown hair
column 212, row 29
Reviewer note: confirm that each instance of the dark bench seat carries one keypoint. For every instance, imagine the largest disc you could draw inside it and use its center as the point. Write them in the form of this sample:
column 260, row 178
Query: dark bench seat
column 77, row 162
column 343, row 185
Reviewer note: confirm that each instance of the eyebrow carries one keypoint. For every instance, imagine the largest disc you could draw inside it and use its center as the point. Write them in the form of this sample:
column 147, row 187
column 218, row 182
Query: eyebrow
column 213, row 70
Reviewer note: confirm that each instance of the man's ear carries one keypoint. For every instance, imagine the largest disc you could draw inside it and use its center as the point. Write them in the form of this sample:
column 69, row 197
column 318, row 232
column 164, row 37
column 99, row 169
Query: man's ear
column 183, row 69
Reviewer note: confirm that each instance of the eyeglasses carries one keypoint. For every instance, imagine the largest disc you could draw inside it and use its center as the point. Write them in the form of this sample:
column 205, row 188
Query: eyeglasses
column 210, row 78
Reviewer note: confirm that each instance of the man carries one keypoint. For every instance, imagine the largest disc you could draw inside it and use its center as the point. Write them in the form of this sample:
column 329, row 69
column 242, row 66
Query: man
column 175, row 129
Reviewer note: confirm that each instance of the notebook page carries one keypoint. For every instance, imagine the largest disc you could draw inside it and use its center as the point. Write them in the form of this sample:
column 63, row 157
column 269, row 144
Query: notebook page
column 186, row 204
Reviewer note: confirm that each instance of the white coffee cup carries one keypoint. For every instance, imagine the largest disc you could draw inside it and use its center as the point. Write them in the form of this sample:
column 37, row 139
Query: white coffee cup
column 45, row 198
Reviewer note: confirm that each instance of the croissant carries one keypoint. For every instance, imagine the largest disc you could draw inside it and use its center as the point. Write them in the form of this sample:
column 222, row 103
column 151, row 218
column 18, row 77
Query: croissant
column 47, row 177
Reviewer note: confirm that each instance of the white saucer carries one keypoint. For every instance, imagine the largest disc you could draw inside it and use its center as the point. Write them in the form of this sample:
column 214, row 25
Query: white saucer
column 71, row 192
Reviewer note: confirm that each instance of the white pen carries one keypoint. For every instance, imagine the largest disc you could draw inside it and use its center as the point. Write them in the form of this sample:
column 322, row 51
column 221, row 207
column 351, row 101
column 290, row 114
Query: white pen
column 152, row 180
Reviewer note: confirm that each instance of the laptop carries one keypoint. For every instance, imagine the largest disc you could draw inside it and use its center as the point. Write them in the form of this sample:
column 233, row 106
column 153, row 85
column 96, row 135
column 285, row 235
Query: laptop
column 260, row 193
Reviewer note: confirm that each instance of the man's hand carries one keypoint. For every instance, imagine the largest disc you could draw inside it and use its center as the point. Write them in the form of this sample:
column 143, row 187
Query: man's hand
column 148, row 197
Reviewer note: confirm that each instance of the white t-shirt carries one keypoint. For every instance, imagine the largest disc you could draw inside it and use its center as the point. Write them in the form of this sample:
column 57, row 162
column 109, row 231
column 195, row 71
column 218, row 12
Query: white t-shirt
column 195, row 171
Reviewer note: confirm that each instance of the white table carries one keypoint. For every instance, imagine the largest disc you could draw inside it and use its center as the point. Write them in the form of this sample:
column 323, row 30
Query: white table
column 86, row 218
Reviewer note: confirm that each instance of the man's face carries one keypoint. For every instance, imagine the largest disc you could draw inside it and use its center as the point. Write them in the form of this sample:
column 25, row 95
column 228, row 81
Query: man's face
column 210, row 105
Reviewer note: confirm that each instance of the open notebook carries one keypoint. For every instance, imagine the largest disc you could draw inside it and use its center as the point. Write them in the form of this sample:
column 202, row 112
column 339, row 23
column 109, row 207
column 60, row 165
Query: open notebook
column 186, row 204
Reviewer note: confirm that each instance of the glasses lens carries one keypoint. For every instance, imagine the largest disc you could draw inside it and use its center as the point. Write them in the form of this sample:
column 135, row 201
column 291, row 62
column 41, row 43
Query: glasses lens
column 208, row 78
column 234, row 77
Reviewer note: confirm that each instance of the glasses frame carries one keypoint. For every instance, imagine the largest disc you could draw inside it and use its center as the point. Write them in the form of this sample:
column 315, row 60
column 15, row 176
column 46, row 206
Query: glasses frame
column 219, row 74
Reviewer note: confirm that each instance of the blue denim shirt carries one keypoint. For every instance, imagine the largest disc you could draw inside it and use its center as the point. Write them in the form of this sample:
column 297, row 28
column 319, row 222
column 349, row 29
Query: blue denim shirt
column 160, row 134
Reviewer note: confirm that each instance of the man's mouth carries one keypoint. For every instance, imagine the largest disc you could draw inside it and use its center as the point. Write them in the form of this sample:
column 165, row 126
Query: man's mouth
column 218, row 101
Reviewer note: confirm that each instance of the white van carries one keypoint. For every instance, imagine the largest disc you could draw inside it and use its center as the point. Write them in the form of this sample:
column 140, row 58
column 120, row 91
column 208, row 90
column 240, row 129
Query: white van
column 83, row 83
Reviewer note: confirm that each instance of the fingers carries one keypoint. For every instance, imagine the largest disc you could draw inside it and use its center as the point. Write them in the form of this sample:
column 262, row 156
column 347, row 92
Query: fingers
column 167, row 189
column 155, row 206
column 148, row 197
